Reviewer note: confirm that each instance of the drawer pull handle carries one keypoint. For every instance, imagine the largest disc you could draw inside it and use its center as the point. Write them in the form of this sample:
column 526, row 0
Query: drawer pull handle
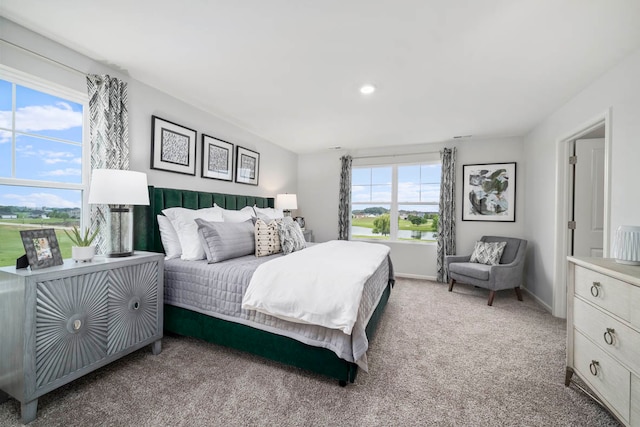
column 77, row 324
column 608, row 336
column 593, row 367
column 595, row 289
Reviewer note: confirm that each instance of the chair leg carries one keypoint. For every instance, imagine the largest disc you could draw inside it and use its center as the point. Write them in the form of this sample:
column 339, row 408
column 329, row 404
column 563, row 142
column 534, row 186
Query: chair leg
column 492, row 295
column 518, row 293
column 451, row 282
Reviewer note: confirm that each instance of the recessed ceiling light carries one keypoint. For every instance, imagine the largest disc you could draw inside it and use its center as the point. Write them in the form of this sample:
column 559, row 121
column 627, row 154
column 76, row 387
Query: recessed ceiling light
column 367, row 89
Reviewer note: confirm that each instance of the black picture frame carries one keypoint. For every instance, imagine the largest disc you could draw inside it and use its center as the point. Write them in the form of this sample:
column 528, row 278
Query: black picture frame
column 41, row 246
column 173, row 147
column 247, row 166
column 217, row 159
column 489, row 192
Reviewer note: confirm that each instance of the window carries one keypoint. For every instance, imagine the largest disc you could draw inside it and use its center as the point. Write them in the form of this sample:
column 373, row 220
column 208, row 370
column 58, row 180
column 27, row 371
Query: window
column 43, row 171
column 397, row 202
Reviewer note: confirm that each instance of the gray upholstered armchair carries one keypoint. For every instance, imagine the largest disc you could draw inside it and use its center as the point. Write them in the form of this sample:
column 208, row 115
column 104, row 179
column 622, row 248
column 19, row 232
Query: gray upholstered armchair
column 505, row 275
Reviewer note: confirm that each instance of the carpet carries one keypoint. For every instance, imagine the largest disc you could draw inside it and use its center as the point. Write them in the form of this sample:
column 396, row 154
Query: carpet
column 438, row 358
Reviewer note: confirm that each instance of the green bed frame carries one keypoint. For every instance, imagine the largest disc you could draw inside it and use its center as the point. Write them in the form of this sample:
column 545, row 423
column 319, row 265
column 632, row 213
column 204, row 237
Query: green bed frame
column 235, row 335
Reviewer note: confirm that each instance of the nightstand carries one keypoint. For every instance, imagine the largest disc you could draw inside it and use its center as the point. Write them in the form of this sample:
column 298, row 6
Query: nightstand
column 308, row 235
column 60, row 323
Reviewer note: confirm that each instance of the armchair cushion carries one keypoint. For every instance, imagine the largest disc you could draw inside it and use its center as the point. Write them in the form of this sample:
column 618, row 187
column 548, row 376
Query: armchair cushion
column 471, row 269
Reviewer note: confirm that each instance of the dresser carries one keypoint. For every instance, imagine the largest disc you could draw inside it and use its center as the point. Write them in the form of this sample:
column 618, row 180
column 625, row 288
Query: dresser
column 603, row 333
column 62, row 322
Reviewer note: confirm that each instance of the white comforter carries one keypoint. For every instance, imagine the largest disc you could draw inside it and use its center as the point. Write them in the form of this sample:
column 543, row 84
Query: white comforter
column 320, row 285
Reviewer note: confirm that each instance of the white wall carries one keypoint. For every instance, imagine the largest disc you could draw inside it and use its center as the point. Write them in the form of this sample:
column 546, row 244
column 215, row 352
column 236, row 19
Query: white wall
column 319, row 181
column 278, row 167
column 619, row 90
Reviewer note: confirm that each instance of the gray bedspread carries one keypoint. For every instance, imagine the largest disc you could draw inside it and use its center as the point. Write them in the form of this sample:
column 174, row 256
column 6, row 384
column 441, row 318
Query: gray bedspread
column 217, row 290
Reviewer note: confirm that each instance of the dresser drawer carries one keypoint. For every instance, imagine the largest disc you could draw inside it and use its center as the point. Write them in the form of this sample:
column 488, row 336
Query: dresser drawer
column 635, row 401
column 635, row 302
column 611, row 381
column 611, row 294
column 619, row 340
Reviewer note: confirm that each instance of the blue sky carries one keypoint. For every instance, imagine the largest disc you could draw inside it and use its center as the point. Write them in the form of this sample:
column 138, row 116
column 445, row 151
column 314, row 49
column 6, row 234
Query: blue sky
column 416, row 183
column 48, row 146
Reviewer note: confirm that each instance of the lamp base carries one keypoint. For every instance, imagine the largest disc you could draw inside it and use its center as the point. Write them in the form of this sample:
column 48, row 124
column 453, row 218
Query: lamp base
column 626, row 262
column 119, row 254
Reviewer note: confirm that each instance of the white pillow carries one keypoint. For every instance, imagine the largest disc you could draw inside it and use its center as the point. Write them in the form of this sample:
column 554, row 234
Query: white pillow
column 183, row 221
column 169, row 238
column 267, row 214
column 242, row 215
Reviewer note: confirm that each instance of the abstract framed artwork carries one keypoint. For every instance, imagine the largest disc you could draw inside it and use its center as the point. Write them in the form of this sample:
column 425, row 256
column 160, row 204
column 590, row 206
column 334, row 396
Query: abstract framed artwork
column 489, row 192
column 173, row 147
column 217, row 158
column 247, row 166
column 42, row 248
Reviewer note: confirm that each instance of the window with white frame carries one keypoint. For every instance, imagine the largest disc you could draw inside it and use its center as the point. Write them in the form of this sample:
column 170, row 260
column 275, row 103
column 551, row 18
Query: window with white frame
column 395, row 202
column 43, row 160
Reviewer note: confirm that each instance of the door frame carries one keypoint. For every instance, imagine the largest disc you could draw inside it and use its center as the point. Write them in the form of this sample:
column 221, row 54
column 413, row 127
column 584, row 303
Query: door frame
column 564, row 180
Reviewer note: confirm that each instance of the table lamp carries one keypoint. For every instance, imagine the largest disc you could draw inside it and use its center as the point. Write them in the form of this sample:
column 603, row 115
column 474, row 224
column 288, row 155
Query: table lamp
column 120, row 190
column 286, row 202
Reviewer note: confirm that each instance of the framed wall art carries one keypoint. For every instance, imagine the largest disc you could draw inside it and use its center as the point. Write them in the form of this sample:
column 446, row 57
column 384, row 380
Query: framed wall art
column 173, row 147
column 489, row 192
column 217, row 158
column 42, row 248
column 247, row 166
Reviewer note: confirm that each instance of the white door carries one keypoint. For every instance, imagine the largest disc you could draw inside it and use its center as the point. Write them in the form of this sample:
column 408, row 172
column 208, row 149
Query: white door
column 588, row 202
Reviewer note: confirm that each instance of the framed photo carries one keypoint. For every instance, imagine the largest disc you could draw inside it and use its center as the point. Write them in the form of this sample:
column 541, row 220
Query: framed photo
column 247, row 166
column 42, row 248
column 489, row 192
column 173, row 147
column 217, row 158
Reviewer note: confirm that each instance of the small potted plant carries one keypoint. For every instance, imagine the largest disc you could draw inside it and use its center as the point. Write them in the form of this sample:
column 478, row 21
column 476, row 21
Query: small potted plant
column 82, row 251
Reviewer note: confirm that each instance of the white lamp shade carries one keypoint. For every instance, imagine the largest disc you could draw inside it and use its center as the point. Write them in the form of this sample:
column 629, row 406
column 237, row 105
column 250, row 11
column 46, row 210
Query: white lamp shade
column 286, row 202
column 118, row 187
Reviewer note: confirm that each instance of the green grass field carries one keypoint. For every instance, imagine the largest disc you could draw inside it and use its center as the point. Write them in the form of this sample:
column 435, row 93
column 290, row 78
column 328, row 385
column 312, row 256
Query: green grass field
column 11, row 245
column 402, row 225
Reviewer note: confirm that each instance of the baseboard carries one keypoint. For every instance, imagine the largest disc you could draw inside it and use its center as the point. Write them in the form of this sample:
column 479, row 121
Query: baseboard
column 538, row 300
column 416, row 276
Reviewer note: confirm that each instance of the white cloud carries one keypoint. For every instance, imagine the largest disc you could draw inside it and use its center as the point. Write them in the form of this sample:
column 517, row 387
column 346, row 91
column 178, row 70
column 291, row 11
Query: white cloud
column 62, row 172
column 43, row 117
column 38, row 200
column 5, row 136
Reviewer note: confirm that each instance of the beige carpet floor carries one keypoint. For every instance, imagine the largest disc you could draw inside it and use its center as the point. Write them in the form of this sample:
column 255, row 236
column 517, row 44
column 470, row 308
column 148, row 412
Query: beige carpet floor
column 439, row 358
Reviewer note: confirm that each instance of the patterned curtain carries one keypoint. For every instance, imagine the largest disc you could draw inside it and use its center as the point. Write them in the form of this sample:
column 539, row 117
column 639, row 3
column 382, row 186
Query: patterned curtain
column 344, row 204
column 447, row 220
column 109, row 129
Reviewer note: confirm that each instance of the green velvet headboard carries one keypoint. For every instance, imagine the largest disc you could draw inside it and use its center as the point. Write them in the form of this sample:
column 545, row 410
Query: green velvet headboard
column 146, row 232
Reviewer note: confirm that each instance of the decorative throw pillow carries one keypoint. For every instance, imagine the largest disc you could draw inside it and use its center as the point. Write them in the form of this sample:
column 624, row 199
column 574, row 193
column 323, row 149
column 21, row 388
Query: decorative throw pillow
column 226, row 240
column 267, row 238
column 231, row 215
column 183, row 221
column 488, row 252
column 291, row 236
column 169, row 238
column 267, row 214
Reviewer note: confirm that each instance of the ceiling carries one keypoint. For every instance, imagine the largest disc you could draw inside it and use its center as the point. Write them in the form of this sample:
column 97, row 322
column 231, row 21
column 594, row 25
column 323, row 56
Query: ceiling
column 290, row 70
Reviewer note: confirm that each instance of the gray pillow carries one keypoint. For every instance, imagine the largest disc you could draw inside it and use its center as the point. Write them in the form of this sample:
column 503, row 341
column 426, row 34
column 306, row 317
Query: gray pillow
column 291, row 236
column 226, row 240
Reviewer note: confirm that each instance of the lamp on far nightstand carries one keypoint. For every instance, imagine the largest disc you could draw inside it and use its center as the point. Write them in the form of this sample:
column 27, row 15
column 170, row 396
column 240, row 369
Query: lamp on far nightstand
column 286, row 202
column 120, row 189
column 626, row 247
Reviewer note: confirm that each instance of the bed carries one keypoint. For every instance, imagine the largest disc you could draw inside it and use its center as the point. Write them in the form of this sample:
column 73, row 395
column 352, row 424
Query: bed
column 191, row 319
